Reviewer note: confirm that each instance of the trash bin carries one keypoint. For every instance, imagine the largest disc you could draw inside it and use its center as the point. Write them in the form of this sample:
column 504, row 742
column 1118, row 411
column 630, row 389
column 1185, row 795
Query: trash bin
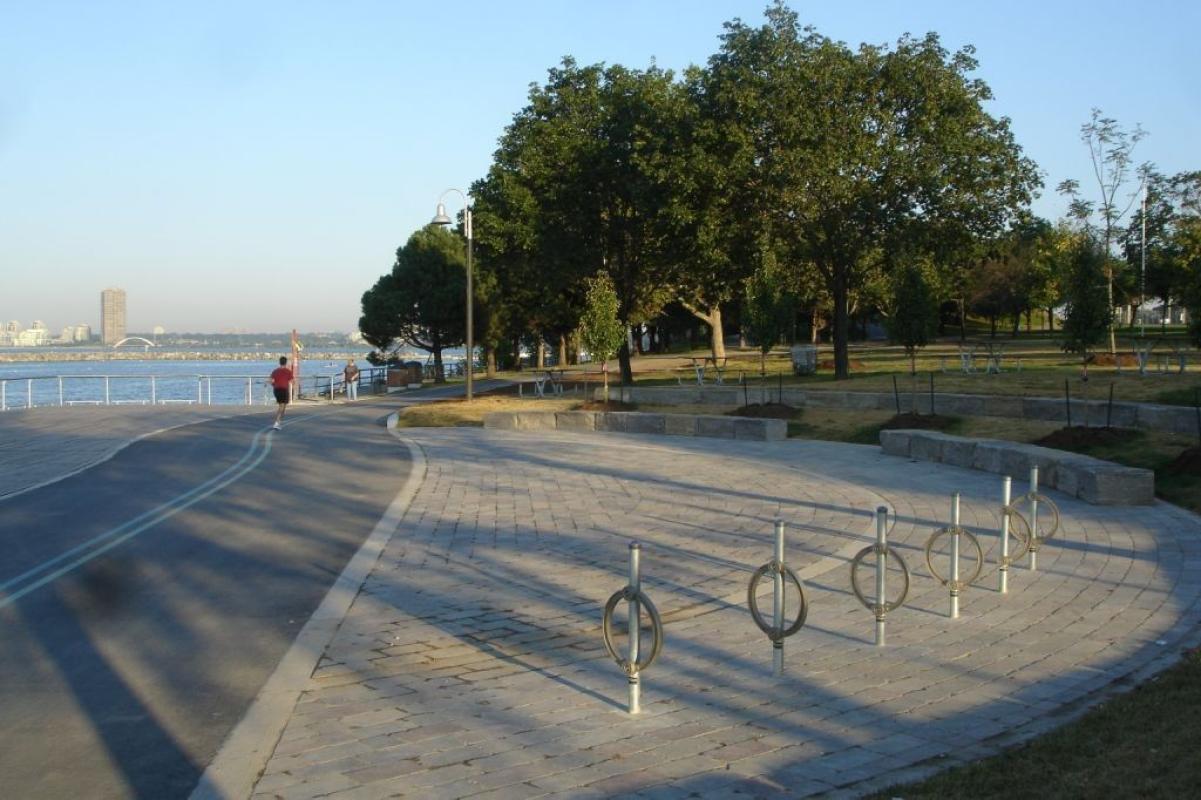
column 804, row 359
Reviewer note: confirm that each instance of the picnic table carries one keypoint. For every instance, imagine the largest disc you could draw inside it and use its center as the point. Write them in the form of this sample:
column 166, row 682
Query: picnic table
column 549, row 378
column 701, row 365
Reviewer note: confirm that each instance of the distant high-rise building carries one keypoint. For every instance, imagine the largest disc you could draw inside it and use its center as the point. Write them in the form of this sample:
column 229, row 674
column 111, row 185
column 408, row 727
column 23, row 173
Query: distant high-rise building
column 112, row 315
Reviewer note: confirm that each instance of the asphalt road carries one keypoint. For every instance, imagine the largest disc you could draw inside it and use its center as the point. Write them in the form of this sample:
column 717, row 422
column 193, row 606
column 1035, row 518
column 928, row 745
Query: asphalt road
column 144, row 602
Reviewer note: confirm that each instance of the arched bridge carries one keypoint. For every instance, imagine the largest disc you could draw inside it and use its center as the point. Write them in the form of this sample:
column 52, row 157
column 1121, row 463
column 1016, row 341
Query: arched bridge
column 135, row 341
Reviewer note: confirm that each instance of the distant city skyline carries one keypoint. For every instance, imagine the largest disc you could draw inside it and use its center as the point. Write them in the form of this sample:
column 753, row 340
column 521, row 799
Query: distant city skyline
column 256, row 166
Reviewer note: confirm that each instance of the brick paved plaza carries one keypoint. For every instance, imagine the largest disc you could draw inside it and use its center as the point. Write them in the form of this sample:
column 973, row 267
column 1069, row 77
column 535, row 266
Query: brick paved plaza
column 471, row 664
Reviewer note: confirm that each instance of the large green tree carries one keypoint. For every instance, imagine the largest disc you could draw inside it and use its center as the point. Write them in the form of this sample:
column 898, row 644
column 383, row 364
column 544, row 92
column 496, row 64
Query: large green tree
column 853, row 154
column 421, row 301
column 583, row 182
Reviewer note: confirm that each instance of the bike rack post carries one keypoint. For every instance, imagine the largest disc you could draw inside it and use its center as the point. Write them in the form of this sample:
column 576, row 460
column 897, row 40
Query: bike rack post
column 955, row 533
column 1003, row 567
column 954, row 582
column 779, row 572
column 1033, row 518
column 881, row 565
column 881, row 605
column 636, row 600
column 777, row 597
column 634, row 625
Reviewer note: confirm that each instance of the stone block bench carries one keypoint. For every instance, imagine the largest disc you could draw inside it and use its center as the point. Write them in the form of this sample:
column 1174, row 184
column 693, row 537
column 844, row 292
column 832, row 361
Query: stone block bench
column 1101, row 483
column 713, row 426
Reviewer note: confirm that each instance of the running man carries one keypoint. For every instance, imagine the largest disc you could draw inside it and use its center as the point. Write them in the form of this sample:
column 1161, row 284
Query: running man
column 281, row 382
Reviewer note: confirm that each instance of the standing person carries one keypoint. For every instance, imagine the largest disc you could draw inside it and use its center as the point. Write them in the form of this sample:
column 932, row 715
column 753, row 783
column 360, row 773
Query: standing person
column 351, row 374
column 281, row 382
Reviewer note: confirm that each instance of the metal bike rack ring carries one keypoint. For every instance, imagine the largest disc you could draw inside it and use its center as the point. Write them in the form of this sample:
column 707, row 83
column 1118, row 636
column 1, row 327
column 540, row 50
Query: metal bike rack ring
column 1042, row 500
column 774, row 633
column 656, row 630
column 880, row 607
column 961, row 584
column 1023, row 537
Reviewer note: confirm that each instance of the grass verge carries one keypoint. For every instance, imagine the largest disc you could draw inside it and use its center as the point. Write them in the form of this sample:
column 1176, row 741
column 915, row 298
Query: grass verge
column 1139, row 744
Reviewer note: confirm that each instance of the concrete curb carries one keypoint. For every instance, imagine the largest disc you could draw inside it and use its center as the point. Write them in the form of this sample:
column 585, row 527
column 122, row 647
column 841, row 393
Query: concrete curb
column 237, row 766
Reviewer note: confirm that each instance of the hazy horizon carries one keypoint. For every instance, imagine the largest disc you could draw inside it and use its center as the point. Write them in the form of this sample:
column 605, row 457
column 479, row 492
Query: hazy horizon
column 255, row 166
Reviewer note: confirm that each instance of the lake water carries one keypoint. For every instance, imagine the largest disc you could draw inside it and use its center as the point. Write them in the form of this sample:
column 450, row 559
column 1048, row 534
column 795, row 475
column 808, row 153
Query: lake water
column 209, row 380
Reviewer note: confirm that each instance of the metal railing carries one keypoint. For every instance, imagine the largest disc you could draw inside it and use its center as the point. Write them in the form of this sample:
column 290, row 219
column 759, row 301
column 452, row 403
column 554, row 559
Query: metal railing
column 40, row 391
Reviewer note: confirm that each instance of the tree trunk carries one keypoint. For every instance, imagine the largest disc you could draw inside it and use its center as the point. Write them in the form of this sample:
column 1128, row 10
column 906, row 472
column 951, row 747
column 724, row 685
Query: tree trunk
column 541, row 354
column 1113, row 342
column 718, row 343
column 962, row 320
column 1051, row 320
column 992, row 323
column 439, row 374
column 490, row 361
column 517, row 352
column 562, row 350
column 842, row 326
column 712, row 317
column 1017, row 321
column 623, row 359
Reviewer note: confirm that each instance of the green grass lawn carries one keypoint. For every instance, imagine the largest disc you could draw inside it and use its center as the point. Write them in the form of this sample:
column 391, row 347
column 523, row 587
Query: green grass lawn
column 1142, row 744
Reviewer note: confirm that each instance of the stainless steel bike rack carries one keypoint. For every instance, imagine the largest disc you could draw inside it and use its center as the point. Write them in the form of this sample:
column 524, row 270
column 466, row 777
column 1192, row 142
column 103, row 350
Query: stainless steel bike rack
column 1020, row 531
column 776, row 630
column 1036, row 501
column 953, row 581
column 880, row 605
column 634, row 663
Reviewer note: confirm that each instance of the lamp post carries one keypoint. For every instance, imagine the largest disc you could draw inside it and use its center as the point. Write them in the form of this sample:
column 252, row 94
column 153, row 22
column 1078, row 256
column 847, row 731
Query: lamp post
column 1143, row 273
column 440, row 218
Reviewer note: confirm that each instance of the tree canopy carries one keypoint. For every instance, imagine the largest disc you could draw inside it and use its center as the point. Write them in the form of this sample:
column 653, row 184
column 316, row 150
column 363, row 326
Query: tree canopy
column 421, row 301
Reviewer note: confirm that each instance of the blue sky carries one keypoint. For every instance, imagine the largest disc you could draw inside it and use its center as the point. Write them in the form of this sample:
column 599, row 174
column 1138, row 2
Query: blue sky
column 254, row 166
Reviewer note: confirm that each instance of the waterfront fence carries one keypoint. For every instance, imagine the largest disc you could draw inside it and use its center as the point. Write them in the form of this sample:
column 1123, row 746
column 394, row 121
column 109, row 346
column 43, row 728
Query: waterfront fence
column 39, row 391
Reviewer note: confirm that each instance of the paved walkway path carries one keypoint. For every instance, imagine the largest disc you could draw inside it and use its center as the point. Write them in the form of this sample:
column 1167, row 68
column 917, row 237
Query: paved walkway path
column 471, row 663
column 42, row 445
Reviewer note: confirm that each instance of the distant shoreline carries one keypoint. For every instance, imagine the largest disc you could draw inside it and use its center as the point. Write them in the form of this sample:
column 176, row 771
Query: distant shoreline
column 33, row 357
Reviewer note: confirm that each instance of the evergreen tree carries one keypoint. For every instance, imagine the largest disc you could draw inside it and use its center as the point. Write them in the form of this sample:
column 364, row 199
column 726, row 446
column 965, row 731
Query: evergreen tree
column 1088, row 313
column 914, row 318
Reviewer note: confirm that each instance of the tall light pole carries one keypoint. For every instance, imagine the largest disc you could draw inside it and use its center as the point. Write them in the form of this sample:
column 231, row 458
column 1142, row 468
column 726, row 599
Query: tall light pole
column 1142, row 323
column 440, row 218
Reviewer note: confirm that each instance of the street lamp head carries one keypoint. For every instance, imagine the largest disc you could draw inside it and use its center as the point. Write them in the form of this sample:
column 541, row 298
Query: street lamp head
column 440, row 218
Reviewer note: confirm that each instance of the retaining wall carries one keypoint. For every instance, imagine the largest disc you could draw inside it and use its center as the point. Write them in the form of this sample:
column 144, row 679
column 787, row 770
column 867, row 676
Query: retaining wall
column 1095, row 481
column 1171, row 419
column 713, row 426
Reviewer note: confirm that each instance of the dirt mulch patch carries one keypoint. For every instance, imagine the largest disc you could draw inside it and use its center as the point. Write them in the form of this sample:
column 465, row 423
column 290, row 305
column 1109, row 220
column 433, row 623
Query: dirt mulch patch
column 612, row 405
column 829, row 364
column 927, row 422
column 1189, row 461
column 1108, row 360
column 1078, row 437
column 764, row 411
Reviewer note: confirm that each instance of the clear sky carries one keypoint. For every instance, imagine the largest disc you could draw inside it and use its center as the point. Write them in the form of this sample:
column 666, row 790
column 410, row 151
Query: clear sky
column 254, row 165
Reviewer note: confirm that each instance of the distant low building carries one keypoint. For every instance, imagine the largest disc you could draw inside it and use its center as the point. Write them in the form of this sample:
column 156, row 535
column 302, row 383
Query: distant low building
column 36, row 335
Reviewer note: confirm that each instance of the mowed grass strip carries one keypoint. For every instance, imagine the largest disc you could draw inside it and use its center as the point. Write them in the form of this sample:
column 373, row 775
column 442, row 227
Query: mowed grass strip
column 1141, row 744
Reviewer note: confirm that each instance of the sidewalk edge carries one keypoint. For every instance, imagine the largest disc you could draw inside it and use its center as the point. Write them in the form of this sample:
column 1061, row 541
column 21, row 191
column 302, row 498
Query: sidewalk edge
column 243, row 755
